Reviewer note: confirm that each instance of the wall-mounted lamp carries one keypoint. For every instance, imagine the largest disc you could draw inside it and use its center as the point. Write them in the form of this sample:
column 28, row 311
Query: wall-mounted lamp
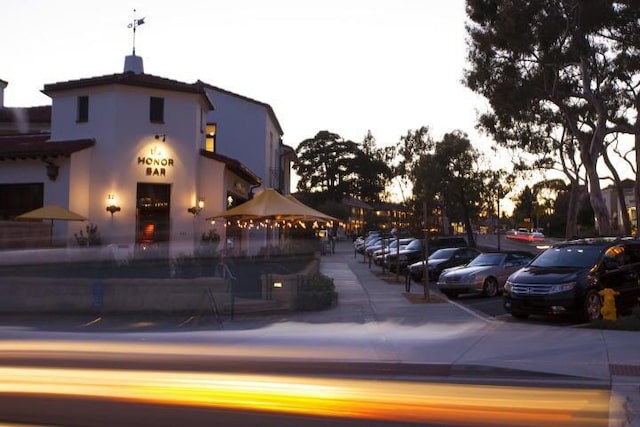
column 195, row 210
column 163, row 137
column 52, row 171
column 111, row 204
column 277, row 284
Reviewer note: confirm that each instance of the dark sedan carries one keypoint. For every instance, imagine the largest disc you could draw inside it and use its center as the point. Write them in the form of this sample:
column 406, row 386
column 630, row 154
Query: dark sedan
column 440, row 260
column 414, row 251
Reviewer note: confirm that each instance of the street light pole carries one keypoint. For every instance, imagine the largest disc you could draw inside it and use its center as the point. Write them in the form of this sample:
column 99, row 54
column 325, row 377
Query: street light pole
column 498, row 221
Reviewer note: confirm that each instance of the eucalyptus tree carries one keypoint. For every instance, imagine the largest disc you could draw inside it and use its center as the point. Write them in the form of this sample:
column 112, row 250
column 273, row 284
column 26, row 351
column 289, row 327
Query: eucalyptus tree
column 555, row 58
column 625, row 38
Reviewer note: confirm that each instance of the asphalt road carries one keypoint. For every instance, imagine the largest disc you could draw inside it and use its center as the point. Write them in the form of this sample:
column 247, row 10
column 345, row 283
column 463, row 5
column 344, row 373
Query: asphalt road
column 169, row 380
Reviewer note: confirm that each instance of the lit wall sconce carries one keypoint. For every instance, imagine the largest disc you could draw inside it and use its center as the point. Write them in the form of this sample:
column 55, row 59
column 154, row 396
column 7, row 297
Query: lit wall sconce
column 111, row 204
column 195, row 210
column 277, row 284
column 162, row 137
column 52, row 171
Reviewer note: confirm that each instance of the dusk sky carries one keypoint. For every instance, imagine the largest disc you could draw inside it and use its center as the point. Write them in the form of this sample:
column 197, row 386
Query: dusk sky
column 346, row 66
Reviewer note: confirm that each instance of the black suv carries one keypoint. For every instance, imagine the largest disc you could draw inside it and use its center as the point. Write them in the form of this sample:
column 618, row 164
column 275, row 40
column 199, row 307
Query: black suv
column 414, row 251
column 567, row 277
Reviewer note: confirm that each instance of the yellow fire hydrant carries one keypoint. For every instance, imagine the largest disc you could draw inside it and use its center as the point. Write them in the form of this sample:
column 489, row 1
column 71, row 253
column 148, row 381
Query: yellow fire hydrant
column 608, row 308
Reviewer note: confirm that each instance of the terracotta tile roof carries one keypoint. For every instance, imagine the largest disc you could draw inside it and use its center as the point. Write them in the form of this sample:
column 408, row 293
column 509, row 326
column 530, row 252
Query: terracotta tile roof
column 128, row 79
column 233, row 165
column 41, row 114
column 36, row 146
column 246, row 98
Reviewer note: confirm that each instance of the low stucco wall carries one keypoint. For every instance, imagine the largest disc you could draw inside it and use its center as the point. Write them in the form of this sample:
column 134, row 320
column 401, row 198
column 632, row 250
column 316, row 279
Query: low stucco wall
column 36, row 294
column 24, row 234
column 287, row 292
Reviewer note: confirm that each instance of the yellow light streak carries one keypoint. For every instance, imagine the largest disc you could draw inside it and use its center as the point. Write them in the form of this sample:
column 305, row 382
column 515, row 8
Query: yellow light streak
column 405, row 401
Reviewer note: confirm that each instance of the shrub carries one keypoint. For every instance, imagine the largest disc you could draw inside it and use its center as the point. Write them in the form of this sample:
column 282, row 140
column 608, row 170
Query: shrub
column 208, row 247
column 318, row 292
column 92, row 238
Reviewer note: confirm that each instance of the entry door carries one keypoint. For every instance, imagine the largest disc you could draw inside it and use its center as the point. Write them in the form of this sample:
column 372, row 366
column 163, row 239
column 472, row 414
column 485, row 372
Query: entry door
column 153, row 208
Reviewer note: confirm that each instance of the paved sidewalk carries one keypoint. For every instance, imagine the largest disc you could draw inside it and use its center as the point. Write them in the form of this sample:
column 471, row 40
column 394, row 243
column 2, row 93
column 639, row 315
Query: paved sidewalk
column 463, row 342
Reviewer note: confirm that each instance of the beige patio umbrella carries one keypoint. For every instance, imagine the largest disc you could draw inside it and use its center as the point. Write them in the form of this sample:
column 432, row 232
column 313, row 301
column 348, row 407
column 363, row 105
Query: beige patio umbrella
column 271, row 204
column 52, row 212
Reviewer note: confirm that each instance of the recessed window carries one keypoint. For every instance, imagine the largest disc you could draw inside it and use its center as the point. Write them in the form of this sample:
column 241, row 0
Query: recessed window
column 156, row 110
column 83, row 109
column 210, row 138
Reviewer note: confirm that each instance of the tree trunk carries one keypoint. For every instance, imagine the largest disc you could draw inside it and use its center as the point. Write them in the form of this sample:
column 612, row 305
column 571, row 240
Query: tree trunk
column 603, row 220
column 572, row 210
column 626, row 222
column 636, row 187
column 467, row 220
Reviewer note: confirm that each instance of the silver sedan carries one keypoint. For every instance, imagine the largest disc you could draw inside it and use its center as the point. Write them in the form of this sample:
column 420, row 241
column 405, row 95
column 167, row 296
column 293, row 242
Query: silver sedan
column 486, row 274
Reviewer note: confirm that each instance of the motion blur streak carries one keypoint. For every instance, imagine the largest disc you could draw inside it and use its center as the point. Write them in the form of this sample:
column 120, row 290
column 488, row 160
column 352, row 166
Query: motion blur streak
column 105, row 350
column 404, row 401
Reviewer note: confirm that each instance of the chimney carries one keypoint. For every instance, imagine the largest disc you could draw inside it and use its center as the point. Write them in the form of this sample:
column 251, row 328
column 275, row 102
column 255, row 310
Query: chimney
column 3, row 84
column 133, row 64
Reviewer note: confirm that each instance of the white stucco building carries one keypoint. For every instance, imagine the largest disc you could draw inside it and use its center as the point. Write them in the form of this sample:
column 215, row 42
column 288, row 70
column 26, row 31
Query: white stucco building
column 165, row 154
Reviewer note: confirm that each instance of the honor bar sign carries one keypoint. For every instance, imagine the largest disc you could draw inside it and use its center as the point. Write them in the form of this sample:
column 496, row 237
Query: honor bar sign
column 156, row 163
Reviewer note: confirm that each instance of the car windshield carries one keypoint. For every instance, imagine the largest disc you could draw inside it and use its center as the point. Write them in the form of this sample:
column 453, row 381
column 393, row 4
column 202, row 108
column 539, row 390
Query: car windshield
column 572, row 256
column 486, row 259
column 414, row 245
column 443, row 253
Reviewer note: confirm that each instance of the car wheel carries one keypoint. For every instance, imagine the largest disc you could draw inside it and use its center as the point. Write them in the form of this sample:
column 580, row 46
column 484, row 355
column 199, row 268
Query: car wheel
column 592, row 306
column 519, row 315
column 490, row 287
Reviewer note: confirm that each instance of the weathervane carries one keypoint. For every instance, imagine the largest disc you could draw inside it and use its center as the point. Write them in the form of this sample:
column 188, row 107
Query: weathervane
column 135, row 24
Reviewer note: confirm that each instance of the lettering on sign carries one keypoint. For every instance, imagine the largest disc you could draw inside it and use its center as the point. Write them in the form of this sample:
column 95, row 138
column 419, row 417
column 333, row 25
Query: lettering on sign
column 156, row 164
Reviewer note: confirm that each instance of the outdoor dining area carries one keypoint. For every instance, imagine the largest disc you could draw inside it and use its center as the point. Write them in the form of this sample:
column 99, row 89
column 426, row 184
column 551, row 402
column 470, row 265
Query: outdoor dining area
column 271, row 279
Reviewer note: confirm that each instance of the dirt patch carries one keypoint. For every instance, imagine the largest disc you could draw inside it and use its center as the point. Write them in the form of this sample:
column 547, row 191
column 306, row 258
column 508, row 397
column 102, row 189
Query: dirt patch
column 390, row 277
column 421, row 299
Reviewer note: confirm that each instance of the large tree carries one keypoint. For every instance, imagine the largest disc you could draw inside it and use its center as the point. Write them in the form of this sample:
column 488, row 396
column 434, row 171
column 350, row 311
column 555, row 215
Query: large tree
column 407, row 155
column 326, row 165
column 449, row 177
column 372, row 170
column 529, row 57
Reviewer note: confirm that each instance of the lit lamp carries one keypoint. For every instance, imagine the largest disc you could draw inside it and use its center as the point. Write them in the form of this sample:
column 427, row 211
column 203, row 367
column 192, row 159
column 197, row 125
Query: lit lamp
column 111, row 204
column 195, row 210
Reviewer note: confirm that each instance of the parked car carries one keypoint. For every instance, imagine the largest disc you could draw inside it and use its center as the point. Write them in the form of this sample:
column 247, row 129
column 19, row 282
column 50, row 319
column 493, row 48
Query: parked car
column 485, row 274
column 378, row 256
column 567, row 278
column 384, row 241
column 440, row 260
column 361, row 243
column 415, row 251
